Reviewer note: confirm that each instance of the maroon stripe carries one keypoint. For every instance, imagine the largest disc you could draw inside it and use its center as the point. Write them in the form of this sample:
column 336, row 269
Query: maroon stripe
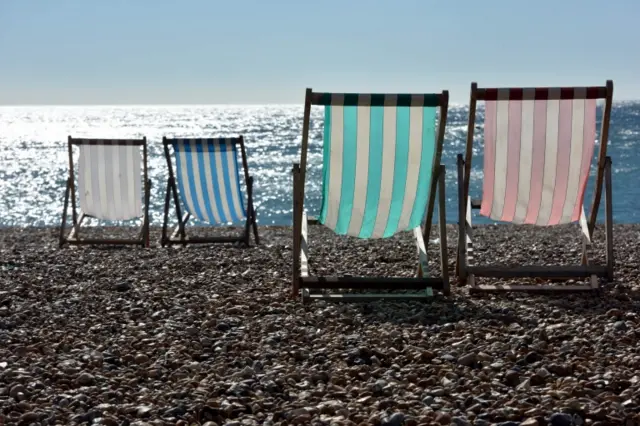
column 542, row 93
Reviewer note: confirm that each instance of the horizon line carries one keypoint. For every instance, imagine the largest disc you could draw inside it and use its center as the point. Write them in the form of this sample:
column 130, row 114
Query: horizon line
column 454, row 104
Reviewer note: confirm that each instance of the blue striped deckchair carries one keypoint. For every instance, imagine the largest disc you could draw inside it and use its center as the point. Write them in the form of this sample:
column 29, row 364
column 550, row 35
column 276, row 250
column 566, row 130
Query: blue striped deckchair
column 381, row 166
column 208, row 182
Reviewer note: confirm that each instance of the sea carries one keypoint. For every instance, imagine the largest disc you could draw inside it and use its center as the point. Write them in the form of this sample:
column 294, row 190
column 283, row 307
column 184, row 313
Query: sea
column 34, row 161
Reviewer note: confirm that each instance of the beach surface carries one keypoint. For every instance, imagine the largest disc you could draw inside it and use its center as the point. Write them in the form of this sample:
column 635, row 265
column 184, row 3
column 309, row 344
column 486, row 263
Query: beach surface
column 209, row 335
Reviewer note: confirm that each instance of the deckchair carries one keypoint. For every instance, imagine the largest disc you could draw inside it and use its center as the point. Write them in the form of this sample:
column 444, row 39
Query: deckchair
column 209, row 185
column 381, row 166
column 109, row 188
column 538, row 148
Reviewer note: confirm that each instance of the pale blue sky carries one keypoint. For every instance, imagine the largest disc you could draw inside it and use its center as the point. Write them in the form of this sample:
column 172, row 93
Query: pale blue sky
column 268, row 51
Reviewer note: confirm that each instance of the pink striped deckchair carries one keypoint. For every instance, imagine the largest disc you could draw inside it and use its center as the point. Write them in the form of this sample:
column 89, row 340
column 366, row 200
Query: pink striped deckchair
column 538, row 148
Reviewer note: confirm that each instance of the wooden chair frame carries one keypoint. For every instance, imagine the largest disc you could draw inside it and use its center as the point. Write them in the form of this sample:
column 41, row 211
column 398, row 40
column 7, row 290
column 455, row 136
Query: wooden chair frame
column 74, row 237
column 465, row 269
column 308, row 286
column 179, row 235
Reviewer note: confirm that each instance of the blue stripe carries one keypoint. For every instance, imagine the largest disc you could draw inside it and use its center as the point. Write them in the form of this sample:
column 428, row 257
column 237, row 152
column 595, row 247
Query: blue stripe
column 243, row 213
column 192, row 183
column 203, row 182
column 187, row 165
column 376, row 131
column 224, row 155
column 227, row 154
column 216, row 187
column 179, row 166
column 403, row 120
column 326, row 154
column 349, row 155
column 427, row 167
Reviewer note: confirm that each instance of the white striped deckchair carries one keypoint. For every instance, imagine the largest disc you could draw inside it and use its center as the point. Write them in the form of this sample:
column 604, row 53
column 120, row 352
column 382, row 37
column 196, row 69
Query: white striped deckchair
column 538, row 149
column 381, row 166
column 109, row 187
column 208, row 182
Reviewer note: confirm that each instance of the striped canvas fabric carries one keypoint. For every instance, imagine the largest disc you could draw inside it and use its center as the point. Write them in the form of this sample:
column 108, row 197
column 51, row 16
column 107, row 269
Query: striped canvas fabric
column 537, row 155
column 378, row 163
column 109, row 183
column 208, row 179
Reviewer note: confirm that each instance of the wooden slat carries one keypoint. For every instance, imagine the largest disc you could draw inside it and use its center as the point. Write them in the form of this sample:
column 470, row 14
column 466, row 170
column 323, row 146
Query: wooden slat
column 202, row 240
column 304, row 249
column 107, row 142
column 87, row 241
column 373, row 283
column 380, row 99
column 541, row 93
column 476, row 203
column 532, row 288
column 422, row 251
column 535, row 271
column 584, row 226
column 366, row 297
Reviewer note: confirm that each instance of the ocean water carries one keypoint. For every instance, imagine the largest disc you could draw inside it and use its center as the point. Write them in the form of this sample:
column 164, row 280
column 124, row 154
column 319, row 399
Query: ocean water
column 34, row 161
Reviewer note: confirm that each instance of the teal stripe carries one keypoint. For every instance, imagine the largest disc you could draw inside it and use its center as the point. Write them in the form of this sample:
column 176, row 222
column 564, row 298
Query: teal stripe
column 403, row 118
column 326, row 148
column 426, row 167
column 376, row 129
column 349, row 159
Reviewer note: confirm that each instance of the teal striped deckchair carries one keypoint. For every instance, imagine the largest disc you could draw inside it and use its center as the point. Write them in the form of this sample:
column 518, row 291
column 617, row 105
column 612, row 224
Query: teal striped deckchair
column 381, row 166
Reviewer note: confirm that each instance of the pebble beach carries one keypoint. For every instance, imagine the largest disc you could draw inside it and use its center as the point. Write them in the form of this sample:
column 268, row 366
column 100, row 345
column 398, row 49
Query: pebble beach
column 209, row 335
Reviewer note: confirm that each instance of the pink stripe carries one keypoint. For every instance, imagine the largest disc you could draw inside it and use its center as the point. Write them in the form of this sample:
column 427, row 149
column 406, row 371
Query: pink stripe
column 513, row 160
column 537, row 160
column 589, row 141
column 565, row 122
column 490, row 129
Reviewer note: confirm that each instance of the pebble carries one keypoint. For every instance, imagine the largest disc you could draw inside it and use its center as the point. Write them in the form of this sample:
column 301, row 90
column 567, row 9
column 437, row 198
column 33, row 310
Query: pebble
column 187, row 336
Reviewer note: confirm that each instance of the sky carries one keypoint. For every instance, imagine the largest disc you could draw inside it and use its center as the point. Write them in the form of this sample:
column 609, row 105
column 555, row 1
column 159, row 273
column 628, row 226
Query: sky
column 269, row 51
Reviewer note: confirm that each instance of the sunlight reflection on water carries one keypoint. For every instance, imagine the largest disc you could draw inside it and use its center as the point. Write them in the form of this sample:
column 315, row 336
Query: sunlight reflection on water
column 34, row 162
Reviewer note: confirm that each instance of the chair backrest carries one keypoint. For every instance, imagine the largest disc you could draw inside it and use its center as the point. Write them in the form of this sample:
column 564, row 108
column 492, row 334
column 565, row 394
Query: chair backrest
column 208, row 178
column 538, row 149
column 378, row 161
column 109, row 177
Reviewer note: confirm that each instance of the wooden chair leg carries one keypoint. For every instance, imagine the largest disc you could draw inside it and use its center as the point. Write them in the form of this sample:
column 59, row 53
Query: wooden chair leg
column 442, row 222
column 254, row 225
column 64, row 214
column 608, row 218
column 462, row 233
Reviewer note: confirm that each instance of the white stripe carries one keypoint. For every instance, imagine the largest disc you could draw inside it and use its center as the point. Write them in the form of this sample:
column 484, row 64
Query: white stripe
column 119, row 181
column 125, row 187
column 184, row 177
column 500, row 170
column 110, row 190
column 224, row 199
column 232, row 163
column 85, row 191
column 575, row 160
column 210, row 182
column 526, row 157
column 130, row 185
column 135, row 171
column 416, row 127
column 362, row 167
column 197, row 180
column 111, row 181
column 550, row 160
column 335, row 161
column 388, row 163
column 101, row 176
